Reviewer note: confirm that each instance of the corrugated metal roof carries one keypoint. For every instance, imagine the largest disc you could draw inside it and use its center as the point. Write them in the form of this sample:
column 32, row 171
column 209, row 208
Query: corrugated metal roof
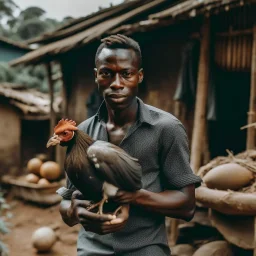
column 83, row 37
column 191, row 6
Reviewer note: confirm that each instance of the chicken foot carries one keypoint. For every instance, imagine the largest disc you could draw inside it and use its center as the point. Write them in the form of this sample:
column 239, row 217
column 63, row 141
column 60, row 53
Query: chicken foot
column 99, row 205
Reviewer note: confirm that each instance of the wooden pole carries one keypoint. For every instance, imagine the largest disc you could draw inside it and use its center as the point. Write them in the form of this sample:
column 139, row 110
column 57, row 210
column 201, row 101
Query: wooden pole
column 173, row 232
column 52, row 113
column 61, row 151
column 201, row 98
column 250, row 143
column 64, row 105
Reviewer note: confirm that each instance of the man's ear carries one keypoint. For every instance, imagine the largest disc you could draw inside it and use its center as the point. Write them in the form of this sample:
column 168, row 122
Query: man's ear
column 95, row 75
column 141, row 75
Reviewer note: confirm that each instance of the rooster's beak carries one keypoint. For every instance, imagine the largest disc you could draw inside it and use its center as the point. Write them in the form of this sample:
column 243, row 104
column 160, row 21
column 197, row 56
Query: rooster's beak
column 53, row 141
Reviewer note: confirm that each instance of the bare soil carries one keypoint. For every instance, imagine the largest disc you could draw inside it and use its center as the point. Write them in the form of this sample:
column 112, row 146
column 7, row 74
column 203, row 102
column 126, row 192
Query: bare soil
column 28, row 217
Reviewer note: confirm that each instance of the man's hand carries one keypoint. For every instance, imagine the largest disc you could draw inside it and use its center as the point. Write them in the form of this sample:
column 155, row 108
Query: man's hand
column 110, row 226
column 100, row 224
column 126, row 197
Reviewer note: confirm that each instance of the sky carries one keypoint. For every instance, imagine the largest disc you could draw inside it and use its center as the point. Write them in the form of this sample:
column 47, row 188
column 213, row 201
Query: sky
column 59, row 9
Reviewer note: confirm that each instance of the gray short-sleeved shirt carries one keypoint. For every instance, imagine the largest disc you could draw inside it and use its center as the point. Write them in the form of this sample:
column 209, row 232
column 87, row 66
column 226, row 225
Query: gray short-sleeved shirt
column 159, row 141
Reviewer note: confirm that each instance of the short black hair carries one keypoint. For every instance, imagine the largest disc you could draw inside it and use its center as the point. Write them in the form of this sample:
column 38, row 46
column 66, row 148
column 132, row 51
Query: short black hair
column 119, row 42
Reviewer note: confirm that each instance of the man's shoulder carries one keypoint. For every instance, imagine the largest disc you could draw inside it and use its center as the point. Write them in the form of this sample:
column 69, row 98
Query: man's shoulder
column 83, row 126
column 162, row 118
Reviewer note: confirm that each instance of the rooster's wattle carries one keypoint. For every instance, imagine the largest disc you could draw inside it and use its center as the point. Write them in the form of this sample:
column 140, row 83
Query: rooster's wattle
column 96, row 168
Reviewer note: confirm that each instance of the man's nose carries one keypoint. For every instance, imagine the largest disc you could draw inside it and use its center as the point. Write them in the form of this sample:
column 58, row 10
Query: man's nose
column 116, row 84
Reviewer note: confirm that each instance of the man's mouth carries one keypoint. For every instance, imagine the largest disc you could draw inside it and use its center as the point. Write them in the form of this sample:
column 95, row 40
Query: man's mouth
column 116, row 95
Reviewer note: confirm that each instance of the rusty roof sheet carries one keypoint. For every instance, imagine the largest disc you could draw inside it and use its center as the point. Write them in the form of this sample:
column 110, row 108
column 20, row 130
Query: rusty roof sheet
column 193, row 6
column 84, row 37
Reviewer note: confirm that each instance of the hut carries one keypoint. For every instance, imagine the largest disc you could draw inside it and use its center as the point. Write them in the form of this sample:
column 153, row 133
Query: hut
column 10, row 50
column 74, row 46
column 24, row 126
column 166, row 31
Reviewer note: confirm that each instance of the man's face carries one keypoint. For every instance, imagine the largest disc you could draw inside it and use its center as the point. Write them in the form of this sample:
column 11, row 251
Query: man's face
column 118, row 76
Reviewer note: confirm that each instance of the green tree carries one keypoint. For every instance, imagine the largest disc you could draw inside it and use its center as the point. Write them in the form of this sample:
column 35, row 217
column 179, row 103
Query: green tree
column 32, row 28
column 31, row 13
column 7, row 8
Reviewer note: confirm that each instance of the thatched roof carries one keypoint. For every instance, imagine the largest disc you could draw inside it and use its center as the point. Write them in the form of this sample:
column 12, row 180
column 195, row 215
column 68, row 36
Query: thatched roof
column 80, row 24
column 191, row 8
column 29, row 101
column 89, row 30
column 15, row 44
column 185, row 10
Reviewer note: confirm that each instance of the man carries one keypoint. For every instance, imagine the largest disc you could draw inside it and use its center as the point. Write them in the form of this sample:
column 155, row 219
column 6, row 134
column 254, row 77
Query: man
column 153, row 136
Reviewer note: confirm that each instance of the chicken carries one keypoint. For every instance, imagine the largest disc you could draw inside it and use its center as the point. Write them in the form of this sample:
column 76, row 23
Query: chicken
column 96, row 168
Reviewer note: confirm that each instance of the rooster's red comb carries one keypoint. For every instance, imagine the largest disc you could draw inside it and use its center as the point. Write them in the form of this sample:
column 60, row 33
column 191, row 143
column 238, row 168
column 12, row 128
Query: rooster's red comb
column 65, row 124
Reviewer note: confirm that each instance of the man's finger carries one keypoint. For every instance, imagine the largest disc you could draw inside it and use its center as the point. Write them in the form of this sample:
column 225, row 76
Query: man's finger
column 83, row 203
column 97, row 217
column 117, row 221
column 77, row 195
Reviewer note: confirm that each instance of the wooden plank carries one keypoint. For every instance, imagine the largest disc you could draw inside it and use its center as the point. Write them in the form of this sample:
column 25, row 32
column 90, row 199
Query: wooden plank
column 234, row 33
column 52, row 112
column 250, row 143
column 201, row 98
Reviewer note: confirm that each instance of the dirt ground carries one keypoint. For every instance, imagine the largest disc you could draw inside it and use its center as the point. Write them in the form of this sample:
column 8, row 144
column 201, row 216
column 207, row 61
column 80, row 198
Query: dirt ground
column 27, row 217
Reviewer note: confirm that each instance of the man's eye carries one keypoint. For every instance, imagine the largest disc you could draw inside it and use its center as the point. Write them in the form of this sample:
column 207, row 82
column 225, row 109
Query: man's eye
column 105, row 74
column 126, row 74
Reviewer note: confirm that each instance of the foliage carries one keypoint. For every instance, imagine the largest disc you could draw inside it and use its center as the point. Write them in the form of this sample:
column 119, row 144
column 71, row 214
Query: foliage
column 7, row 8
column 39, row 71
column 6, row 74
column 31, row 13
column 29, row 76
column 27, row 80
column 4, row 225
column 32, row 28
column 26, row 24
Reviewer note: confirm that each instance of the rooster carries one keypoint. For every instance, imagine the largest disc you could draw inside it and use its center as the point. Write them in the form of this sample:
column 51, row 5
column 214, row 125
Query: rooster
column 96, row 168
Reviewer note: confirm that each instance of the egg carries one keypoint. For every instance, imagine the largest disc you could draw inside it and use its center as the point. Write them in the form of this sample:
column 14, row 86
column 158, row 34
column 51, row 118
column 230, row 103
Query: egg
column 50, row 170
column 43, row 182
column 32, row 178
column 34, row 165
column 43, row 239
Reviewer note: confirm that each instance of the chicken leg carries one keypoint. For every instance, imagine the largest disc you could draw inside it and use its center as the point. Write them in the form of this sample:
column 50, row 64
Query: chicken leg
column 99, row 205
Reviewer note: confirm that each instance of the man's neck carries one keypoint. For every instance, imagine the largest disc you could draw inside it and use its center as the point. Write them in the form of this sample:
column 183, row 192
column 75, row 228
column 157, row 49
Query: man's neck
column 125, row 116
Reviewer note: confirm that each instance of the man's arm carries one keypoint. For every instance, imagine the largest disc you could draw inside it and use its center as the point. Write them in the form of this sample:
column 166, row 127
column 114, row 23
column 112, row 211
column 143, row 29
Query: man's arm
column 178, row 198
column 172, row 203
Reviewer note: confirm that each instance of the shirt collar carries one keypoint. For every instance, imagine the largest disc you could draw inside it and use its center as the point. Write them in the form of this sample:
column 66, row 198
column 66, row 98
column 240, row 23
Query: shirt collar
column 144, row 113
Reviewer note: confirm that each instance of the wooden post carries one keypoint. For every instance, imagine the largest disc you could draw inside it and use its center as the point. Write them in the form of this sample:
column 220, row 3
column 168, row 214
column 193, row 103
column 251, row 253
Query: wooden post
column 64, row 105
column 52, row 113
column 250, row 143
column 201, row 98
column 173, row 232
column 61, row 151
